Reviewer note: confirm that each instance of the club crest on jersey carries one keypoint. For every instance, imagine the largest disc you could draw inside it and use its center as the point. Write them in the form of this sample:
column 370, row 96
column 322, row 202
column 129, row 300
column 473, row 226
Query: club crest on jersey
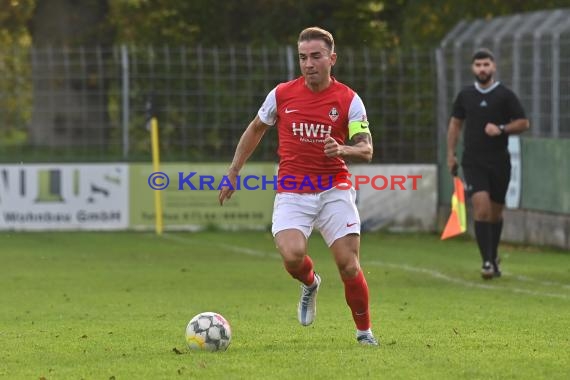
column 333, row 114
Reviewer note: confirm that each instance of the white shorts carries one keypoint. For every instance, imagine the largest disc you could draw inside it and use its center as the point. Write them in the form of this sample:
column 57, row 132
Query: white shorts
column 332, row 212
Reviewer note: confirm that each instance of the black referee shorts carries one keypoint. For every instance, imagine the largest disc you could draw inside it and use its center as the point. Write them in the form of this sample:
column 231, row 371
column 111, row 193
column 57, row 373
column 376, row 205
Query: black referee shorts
column 488, row 173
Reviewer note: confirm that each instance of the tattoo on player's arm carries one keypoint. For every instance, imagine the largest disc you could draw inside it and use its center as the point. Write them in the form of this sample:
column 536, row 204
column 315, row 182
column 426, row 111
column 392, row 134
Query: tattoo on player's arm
column 361, row 137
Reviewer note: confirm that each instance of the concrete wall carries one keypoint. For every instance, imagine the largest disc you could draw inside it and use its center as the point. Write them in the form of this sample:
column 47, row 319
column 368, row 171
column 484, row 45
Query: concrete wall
column 525, row 227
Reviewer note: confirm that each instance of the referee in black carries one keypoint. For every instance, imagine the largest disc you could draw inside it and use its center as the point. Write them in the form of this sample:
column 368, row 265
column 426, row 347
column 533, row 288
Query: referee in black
column 491, row 113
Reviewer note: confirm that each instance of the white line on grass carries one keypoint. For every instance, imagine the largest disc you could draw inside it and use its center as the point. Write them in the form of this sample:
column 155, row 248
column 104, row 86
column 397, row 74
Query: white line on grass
column 404, row 267
column 459, row 281
column 540, row 282
column 249, row 251
column 232, row 248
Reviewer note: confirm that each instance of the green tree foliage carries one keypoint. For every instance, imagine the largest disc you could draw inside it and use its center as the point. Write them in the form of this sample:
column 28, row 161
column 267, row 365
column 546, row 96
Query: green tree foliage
column 81, row 28
column 15, row 91
column 14, row 16
column 70, row 23
column 376, row 25
column 277, row 22
column 426, row 22
column 221, row 23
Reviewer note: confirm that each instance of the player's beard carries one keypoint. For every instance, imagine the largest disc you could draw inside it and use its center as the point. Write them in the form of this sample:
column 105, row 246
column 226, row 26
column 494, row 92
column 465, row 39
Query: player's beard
column 484, row 78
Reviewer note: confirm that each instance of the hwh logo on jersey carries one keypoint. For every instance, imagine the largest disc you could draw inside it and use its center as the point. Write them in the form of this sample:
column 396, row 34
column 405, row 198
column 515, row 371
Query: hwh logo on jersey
column 311, row 130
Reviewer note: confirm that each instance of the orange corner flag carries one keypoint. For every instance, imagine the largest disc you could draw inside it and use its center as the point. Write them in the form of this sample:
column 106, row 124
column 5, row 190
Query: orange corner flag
column 457, row 222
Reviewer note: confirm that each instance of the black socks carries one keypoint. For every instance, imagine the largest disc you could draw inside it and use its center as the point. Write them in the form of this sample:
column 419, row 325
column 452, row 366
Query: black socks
column 497, row 229
column 485, row 241
column 488, row 237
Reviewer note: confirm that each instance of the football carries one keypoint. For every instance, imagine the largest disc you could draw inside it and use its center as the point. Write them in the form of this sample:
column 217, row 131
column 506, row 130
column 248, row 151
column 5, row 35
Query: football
column 208, row 331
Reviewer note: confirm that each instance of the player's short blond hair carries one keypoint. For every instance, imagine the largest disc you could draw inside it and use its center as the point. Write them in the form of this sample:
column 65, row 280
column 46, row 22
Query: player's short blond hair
column 316, row 33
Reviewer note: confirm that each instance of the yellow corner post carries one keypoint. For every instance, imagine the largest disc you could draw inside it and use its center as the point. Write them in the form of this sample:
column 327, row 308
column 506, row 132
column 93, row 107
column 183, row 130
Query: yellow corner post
column 155, row 168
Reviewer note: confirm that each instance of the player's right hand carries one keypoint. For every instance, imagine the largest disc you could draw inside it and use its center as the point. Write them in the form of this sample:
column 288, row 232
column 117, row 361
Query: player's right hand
column 226, row 192
column 332, row 148
column 452, row 165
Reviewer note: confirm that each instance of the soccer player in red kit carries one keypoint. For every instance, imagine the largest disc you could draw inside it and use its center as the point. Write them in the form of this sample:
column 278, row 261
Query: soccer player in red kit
column 315, row 115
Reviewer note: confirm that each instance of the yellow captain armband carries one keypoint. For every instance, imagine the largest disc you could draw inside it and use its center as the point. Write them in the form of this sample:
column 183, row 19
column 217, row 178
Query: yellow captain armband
column 359, row 126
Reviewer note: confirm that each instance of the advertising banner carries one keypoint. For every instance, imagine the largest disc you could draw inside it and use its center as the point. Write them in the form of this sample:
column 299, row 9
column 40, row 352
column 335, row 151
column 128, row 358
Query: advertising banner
column 513, row 197
column 396, row 197
column 64, row 197
column 190, row 196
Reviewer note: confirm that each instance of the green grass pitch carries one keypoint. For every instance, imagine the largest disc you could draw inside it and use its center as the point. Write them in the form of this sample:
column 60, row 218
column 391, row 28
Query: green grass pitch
column 115, row 305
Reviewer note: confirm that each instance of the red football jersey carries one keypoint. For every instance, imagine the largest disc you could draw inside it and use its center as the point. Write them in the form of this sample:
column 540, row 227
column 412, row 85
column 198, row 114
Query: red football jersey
column 304, row 118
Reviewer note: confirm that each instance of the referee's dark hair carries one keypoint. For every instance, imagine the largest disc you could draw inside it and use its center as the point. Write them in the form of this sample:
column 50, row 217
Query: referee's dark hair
column 483, row 53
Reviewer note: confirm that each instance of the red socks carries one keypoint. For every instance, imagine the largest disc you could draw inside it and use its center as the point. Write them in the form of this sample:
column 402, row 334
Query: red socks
column 303, row 273
column 356, row 294
column 355, row 291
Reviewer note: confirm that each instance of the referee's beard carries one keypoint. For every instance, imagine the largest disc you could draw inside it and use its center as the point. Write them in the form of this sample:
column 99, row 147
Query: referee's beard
column 484, row 79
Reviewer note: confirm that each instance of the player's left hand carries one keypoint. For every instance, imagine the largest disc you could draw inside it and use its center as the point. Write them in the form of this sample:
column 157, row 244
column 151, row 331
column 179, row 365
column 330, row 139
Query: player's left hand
column 332, row 148
column 492, row 130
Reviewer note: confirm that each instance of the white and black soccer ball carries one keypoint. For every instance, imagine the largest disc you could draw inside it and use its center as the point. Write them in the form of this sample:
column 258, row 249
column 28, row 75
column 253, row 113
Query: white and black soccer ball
column 208, row 331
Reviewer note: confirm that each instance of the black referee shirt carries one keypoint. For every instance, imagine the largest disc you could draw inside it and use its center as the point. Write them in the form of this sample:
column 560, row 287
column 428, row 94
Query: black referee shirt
column 477, row 107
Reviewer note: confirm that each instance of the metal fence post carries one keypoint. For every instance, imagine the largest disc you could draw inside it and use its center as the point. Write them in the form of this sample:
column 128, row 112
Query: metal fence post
column 125, row 99
column 556, row 95
column 537, row 60
column 290, row 63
